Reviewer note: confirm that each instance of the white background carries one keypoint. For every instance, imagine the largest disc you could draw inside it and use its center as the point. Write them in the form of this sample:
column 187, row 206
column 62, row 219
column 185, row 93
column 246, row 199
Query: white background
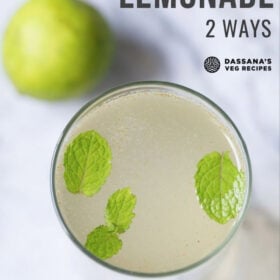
column 152, row 44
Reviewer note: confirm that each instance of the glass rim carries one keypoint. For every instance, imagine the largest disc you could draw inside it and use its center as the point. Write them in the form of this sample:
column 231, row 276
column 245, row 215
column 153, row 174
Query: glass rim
column 106, row 95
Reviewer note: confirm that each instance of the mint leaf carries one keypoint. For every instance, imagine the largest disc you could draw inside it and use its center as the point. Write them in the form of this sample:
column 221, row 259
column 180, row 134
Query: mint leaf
column 119, row 210
column 103, row 243
column 87, row 163
column 220, row 187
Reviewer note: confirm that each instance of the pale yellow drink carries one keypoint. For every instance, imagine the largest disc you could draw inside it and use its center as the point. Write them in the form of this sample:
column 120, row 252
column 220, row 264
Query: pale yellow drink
column 157, row 139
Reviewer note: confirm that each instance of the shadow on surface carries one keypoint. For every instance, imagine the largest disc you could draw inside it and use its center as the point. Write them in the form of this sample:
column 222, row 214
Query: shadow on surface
column 134, row 61
column 253, row 252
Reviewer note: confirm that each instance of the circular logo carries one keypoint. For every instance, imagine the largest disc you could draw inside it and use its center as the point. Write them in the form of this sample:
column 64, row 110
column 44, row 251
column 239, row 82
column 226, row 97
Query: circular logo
column 212, row 64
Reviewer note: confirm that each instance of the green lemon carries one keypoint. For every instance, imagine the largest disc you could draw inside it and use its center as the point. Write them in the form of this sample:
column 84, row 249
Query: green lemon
column 55, row 49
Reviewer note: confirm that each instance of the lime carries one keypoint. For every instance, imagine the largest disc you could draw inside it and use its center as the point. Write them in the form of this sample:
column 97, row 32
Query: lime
column 54, row 49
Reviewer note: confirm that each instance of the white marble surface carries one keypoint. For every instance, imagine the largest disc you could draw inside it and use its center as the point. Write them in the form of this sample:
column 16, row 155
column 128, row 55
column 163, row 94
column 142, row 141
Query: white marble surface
column 151, row 45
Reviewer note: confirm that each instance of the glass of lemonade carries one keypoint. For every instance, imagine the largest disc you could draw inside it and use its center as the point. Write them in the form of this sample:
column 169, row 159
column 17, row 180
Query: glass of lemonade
column 157, row 133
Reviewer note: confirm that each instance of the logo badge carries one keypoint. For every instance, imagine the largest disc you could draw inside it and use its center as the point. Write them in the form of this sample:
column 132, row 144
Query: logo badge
column 212, row 64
